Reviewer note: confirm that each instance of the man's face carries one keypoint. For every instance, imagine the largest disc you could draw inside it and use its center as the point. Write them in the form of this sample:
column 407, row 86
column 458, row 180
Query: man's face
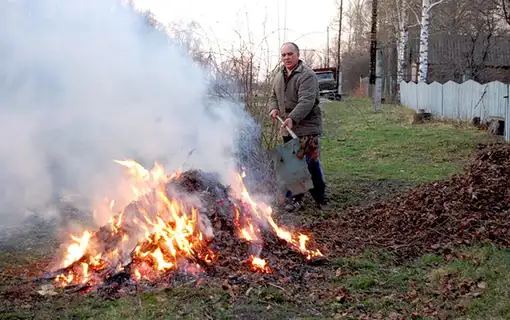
column 289, row 56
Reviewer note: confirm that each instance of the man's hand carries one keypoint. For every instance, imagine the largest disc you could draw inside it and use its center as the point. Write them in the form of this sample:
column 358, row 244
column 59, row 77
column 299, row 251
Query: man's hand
column 274, row 113
column 287, row 123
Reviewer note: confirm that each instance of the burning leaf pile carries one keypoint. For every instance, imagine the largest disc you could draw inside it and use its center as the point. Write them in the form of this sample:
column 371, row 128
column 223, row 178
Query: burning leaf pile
column 184, row 223
column 471, row 206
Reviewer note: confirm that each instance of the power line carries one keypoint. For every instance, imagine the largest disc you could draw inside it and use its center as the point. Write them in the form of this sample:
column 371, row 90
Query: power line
column 285, row 21
column 278, row 22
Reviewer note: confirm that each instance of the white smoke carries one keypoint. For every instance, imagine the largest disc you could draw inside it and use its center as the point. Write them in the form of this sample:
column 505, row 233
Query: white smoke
column 84, row 82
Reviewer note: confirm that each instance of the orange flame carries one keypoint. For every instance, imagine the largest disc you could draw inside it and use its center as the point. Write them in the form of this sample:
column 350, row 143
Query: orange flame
column 260, row 265
column 76, row 250
column 263, row 213
column 164, row 230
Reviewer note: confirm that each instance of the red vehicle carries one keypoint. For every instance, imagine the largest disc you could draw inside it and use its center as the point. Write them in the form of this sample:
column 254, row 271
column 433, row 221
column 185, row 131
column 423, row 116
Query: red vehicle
column 328, row 83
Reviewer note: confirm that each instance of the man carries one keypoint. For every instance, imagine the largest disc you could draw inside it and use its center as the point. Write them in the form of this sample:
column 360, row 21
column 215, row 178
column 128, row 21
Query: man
column 295, row 97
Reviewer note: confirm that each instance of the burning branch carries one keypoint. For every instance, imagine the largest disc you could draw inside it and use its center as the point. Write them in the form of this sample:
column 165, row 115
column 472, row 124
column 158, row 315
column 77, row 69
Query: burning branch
column 163, row 232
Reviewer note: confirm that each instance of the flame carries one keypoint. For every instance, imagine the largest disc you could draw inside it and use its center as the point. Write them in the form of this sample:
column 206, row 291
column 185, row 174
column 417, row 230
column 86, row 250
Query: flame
column 85, row 272
column 160, row 233
column 260, row 265
column 159, row 260
column 76, row 250
column 263, row 213
column 137, row 274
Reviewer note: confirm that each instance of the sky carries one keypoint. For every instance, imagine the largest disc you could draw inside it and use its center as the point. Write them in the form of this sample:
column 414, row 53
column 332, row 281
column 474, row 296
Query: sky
column 306, row 24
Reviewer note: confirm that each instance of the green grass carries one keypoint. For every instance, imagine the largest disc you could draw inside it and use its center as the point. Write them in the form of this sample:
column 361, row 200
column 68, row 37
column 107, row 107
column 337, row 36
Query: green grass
column 385, row 146
column 470, row 284
column 179, row 303
column 368, row 156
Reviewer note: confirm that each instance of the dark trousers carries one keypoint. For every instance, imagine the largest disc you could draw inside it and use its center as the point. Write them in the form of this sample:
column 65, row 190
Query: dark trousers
column 318, row 192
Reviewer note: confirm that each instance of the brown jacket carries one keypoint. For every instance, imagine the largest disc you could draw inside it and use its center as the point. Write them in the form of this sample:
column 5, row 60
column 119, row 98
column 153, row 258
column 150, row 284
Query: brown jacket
column 298, row 98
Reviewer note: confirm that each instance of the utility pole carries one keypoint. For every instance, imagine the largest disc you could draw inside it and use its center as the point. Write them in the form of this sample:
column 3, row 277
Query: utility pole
column 327, row 48
column 373, row 54
column 338, row 55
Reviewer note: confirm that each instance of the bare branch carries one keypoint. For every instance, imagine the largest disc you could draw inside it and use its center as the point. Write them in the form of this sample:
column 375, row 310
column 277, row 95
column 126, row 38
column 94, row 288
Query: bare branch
column 418, row 19
column 399, row 11
column 432, row 5
column 506, row 11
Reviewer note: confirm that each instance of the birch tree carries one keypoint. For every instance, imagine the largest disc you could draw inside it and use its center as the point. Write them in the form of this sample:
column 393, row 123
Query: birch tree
column 402, row 39
column 426, row 7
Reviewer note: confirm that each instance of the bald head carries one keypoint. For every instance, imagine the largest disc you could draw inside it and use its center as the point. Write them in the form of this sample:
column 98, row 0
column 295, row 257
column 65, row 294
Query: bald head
column 290, row 55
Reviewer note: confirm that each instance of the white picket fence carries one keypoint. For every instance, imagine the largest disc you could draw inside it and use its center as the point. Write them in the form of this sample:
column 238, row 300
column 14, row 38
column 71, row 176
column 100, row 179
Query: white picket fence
column 462, row 101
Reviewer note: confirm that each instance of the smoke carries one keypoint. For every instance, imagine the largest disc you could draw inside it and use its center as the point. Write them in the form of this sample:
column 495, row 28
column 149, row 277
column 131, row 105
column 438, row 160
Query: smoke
column 85, row 82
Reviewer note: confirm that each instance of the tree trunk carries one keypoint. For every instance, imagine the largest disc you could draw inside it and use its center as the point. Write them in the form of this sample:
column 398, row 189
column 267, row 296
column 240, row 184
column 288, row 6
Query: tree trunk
column 426, row 6
column 373, row 43
column 505, row 4
column 378, row 81
column 373, row 52
column 424, row 41
column 338, row 53
column 403, row 36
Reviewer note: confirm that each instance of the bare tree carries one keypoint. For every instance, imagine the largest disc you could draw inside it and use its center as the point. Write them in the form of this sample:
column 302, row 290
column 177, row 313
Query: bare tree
column 468, row 40
column 505, row 6
column 354, row 58
column 311, row 58
column 481, row 33
column 189, row 36
column 358, row 19
column 503, row 9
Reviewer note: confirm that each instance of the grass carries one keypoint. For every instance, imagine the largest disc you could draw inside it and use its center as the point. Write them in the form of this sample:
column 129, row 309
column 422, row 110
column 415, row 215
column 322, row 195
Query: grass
column 364, row 151
column 385, row 146
column 182, row 303
column 469, row 284
column 366, row 157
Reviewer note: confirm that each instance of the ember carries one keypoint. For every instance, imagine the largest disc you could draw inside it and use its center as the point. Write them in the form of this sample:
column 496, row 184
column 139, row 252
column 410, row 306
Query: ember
column 169, row 228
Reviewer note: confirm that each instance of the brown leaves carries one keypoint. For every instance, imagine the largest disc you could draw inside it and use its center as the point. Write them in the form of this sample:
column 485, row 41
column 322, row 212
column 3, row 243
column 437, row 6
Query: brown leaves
column 230, row 289
column 342, row 295
column 472, row 206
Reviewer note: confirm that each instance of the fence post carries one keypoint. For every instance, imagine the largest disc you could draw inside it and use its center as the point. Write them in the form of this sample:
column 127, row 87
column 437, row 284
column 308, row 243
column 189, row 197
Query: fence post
column 507, row 114
column 442, row 100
